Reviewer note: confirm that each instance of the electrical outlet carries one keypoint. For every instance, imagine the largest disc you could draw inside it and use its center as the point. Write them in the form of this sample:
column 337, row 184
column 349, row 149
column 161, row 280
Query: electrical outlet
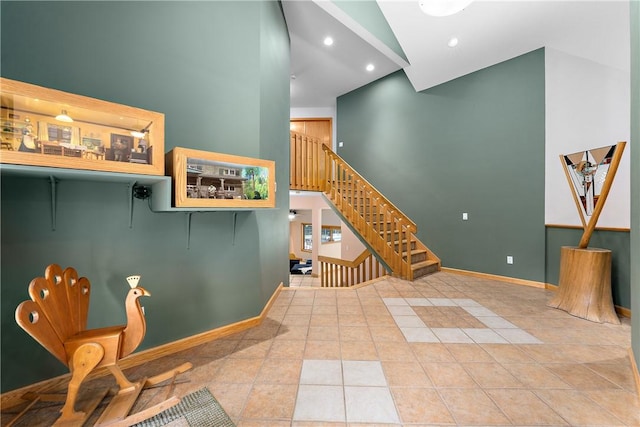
column 465, row 216
column 509, row 259
column 340, row 144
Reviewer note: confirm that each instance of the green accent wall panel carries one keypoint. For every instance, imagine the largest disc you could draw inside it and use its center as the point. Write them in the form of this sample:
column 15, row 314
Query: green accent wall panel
column 369, row 15
column 475, row 145
column 204, row 65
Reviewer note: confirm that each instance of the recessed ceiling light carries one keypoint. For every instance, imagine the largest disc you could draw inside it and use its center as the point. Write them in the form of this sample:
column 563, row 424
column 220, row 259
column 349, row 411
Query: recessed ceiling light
column 328, row 41
column 453, row 42
column 370, row 67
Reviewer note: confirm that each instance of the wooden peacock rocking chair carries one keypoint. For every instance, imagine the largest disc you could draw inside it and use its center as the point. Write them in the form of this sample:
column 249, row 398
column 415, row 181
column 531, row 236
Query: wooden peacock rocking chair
column 56, row 317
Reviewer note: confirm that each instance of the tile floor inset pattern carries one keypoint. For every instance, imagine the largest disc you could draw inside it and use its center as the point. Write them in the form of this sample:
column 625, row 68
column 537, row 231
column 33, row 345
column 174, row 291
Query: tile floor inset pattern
column 351, row 391
column 453, row 321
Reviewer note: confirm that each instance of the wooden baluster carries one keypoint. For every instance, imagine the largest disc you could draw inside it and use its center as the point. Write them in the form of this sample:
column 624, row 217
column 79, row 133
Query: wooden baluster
column 292, row 161
column 299, row 162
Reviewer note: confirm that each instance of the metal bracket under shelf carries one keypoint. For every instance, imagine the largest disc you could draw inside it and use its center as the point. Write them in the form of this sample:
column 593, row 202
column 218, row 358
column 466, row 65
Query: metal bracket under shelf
column 234, row 222
column 54, row 183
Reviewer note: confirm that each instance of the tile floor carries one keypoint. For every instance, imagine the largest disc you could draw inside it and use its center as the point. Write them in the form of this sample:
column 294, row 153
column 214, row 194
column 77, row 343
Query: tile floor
column 473, row 352
column 303, row 281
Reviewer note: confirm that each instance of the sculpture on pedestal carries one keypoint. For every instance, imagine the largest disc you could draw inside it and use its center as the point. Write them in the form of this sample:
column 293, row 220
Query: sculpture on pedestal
column 585, row 273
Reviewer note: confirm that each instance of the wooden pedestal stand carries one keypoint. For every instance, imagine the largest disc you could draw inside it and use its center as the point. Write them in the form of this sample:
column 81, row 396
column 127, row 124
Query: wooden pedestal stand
column 585, row 284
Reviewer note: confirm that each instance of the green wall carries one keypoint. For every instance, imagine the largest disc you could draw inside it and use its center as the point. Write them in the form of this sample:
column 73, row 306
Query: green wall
column 220, row 73
column 475, row 145
column 369, row 15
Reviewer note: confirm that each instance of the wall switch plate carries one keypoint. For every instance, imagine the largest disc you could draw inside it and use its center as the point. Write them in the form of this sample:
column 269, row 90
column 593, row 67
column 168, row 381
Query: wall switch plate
column 509, row 259
column 465, row 216
column 340, row 144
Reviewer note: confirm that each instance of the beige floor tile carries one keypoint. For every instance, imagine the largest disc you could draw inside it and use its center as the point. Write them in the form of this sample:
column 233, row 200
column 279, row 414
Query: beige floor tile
column 326, row 297
column 232, row 397
column 352, row 308
column 238, row 371
column 325, row 309
column 358, row 350
column 491, row 375
column 482, row 412
column 251, row 349
column 619, row 373
column 323, row 320
column 322, row 350
column 280, row 371
column 577, row 408
column 623, row 404
column 606, row 354
column 432, row 352
column 545, row 353
column 216, row 349
column 296, row 319
column 445, row 375
column 316, row 424
column 421, row 405
column 386, row 333
column 580, row 376
column 269, row 401
column 352, row 320
column 287, row 349
column 395, row 351
column 262, row 423
column 292, row 332
column 525, row 408
column 379, row 319
column 469, row 353
column 324, row 333
column 300, row 309
column 507, row 353
column 303, row 297
column 534, row 375
column 410, row 374
column 354, row 333
column 267, row 330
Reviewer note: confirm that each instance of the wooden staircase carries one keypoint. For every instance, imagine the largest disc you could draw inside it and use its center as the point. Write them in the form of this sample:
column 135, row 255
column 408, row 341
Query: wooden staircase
column 388, row 233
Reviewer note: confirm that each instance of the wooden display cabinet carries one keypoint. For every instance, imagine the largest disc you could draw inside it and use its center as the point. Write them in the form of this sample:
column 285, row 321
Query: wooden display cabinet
column 203, row 179
column 51, row 128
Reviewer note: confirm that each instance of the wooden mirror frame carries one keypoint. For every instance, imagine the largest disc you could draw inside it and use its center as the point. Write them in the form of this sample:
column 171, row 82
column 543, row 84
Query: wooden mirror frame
column 91, row 116
column 177, row 166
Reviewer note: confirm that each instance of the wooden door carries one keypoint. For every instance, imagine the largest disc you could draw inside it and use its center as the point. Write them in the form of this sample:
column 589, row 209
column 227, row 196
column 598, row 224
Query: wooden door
column 319, row 127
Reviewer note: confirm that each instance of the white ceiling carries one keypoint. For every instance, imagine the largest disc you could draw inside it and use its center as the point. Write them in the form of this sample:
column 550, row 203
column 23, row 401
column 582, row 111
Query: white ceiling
column 489, row 32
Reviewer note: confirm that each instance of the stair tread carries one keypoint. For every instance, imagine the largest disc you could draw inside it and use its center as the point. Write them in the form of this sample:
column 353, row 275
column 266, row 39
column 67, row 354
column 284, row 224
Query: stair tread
column 415, row 252
column 422, row 264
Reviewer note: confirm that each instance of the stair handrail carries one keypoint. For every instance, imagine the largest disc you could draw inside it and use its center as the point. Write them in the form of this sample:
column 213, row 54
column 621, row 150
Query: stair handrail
column 332, row 154
column 331, row 267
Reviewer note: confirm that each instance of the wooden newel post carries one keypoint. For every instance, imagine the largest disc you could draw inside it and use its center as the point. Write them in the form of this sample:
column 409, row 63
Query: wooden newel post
column 585, row 284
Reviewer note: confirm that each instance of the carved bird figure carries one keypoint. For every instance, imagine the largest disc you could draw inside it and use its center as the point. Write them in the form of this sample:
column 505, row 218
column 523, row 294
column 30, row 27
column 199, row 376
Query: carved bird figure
column 56, row 317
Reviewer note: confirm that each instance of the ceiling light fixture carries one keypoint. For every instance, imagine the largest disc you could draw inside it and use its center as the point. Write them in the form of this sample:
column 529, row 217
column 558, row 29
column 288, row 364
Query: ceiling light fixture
column 453, row 42
column 64, row 117
column 370, row 67
column 443, row 7
column 328, row 41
